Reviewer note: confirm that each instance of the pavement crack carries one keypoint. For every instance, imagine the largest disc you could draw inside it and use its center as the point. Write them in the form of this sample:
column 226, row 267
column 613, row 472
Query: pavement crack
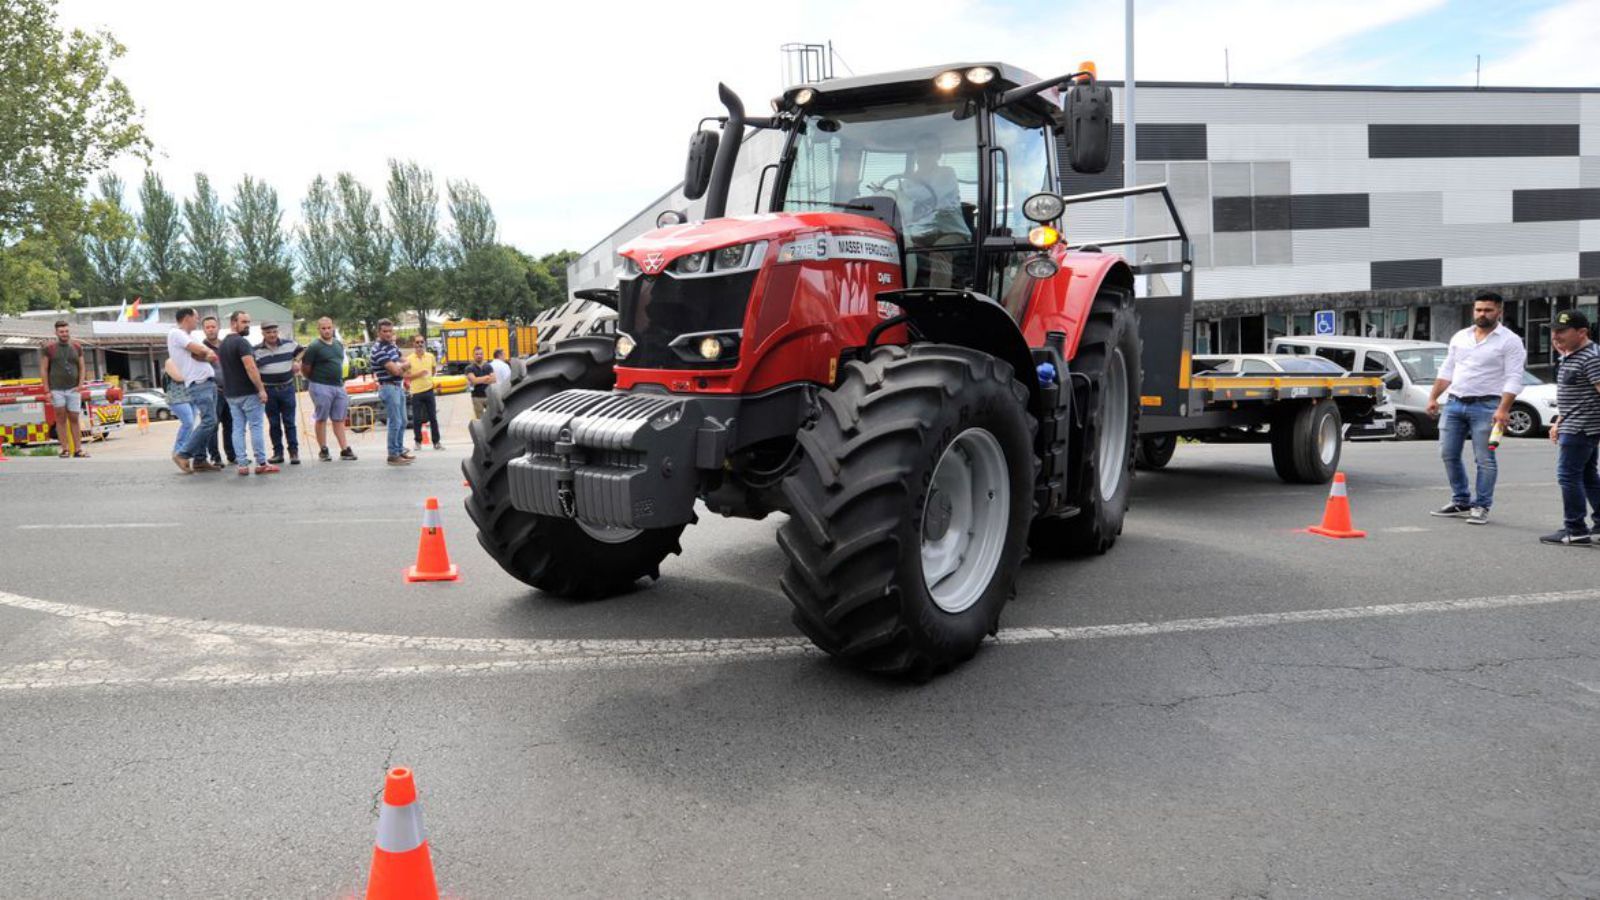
column 37, row 787
column 388, row 761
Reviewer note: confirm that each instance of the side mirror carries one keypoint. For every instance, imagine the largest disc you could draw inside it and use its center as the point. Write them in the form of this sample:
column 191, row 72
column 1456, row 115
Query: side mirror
column 1393, row 383
column 1088, row 109
column 697, row 174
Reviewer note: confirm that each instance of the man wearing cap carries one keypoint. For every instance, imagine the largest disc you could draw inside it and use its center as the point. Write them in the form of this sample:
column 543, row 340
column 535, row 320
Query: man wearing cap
column 1576, row 432
column 1482, row 372
column 276, row 361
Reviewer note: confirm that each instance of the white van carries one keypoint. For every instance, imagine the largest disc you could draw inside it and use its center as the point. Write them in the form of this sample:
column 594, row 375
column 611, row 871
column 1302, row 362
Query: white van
column 1412, row 367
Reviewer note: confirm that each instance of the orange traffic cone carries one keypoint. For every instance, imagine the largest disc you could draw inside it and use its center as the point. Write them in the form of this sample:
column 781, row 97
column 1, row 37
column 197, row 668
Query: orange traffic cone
column 144, row 421
column 433, row 560
column 1336, row 517
column 402, row 868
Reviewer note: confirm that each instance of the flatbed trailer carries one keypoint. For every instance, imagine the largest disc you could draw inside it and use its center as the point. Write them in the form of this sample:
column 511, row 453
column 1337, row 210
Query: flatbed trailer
column 1302, row 417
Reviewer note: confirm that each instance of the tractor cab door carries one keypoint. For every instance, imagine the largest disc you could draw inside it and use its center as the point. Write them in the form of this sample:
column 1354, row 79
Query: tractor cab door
column 1021, row 165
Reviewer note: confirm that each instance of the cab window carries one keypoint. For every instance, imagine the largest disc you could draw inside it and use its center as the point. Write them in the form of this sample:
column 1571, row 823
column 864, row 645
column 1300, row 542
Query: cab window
column 1345, row 358
column 1021, row 169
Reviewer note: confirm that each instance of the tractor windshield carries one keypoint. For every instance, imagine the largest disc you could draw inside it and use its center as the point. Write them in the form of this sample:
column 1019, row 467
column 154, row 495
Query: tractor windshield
column 923, row 156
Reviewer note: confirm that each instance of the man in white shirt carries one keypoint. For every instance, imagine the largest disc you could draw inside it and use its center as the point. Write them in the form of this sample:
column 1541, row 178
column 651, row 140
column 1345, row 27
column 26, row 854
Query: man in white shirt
column 1482, row 372
column 502, row 369
column 193, row 361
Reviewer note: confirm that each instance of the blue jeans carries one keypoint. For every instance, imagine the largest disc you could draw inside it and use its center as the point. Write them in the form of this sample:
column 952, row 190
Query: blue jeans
column 1577, row 472
column 394, row 407
column 203, row 397
column 1458, row 422
column 280, row 418
column 247, row 417
column 186, row 417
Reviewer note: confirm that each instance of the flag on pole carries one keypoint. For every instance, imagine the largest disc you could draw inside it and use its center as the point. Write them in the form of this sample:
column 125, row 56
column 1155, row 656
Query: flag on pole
column 133, row 311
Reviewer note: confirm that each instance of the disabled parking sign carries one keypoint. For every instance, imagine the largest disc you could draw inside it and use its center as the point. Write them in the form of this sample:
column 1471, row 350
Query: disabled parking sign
column 1324, row 323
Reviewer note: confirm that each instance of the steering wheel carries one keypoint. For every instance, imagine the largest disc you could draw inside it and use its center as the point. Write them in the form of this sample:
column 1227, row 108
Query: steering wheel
column 906, row 179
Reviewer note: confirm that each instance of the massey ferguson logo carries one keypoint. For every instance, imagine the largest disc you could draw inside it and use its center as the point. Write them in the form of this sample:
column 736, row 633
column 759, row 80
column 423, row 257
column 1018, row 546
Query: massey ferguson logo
column 652, row 263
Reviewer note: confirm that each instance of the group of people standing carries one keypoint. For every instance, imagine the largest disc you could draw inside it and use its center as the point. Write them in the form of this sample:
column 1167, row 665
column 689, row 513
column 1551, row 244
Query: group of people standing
column 1481, row 377
column 244, row 391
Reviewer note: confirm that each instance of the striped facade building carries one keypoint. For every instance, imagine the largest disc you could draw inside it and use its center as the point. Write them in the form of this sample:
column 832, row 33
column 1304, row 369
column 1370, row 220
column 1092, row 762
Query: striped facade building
column 1391, row 206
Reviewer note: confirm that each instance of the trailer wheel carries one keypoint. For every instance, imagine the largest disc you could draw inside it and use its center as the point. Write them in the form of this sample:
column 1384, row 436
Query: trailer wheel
column 1155, row 452
column 1306, row 443
column 1109, row 356
column 562, row 556
column 910, row 508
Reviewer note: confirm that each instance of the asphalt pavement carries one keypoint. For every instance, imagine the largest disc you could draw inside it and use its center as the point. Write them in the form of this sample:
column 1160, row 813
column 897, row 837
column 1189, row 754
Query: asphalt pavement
column 203, row 679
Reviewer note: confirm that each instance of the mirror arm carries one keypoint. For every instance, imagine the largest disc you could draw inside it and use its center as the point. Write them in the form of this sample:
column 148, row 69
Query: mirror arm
column 1028, row 90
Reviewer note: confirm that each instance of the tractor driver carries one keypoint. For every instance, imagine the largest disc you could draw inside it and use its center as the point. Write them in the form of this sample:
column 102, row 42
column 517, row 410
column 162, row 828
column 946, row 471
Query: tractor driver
column 930, row 202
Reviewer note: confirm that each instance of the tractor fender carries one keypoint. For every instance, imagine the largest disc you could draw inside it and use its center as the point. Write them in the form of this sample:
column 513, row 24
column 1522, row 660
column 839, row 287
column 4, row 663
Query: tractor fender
column 1061, row 302
column 969, row 319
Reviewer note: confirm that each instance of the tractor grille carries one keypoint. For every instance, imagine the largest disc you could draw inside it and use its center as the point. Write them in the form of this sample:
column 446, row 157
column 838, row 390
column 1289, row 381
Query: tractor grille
column 655, row 309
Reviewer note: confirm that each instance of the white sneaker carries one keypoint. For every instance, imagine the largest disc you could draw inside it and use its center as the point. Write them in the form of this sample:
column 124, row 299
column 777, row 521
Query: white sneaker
column 1478, row 516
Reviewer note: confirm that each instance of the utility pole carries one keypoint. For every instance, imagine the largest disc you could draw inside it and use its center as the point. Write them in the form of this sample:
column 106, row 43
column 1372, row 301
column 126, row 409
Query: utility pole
column 1130, row 152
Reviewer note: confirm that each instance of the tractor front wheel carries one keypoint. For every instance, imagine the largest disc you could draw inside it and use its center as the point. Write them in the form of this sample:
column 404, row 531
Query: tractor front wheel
column 565, row 557
column 1109, row 357
column 910, row 509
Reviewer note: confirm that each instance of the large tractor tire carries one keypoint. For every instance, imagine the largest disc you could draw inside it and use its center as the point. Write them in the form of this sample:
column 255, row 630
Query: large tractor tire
column 1109, row 356
column 910, row 509
column 1154, row 452
column 562, row 556
column 1306, row 443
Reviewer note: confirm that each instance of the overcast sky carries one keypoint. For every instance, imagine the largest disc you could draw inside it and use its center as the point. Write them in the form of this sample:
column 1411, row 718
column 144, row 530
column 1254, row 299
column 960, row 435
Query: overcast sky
column 572, row 117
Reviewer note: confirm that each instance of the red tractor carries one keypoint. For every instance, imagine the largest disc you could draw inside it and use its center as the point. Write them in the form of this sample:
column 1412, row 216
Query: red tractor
column 899, row 354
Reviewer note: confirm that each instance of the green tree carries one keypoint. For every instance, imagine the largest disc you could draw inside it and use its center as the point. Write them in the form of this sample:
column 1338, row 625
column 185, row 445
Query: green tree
column 414, row 214
column 472, row 224
column 210, row 256
column 491, row 282
column 161, row 238
column 555, row 264
column 262, row 248
column 322, row 260
column 110, row 245
column 368, row 250
column 63, row 115
column 31, row 274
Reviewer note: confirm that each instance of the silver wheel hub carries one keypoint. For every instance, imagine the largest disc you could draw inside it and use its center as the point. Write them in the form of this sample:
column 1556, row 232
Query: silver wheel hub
column 609, row 534
column 1114, row 423
column 1327, row 440
column 964, row 520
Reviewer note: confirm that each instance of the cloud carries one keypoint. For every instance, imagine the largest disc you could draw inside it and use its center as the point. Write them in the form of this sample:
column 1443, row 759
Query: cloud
column 1554, row 47
column 572, row 117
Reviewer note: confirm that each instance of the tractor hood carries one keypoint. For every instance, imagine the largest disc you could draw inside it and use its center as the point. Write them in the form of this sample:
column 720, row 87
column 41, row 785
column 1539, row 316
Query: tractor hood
column 655, row 250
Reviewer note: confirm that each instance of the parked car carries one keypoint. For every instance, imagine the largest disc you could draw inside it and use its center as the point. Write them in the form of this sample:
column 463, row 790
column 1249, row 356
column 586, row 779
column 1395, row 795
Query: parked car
column 154, row 405
column 1382, row 425
column 1534, row 408
column 1408, row 368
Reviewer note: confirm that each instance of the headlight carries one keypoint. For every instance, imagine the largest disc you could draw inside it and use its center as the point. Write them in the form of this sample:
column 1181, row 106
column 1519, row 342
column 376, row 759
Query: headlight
column 980, row 75
column 710, row 348
column 707, row 347
column 624, row 346
column 693, row 264
column 804, row 96
column 948, row 81
column 670, row 217
column 626, row 267
column 1041, row 267
column 1045, row 207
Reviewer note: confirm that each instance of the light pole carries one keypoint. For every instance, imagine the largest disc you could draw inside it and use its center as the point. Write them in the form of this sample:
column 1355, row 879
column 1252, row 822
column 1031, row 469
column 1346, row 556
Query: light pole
column 1130, row 152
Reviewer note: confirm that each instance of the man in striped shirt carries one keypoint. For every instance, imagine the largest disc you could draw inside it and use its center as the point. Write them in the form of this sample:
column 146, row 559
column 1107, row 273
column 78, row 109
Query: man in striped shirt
column 391, row 372
column 276, row 360
column 1576, row 432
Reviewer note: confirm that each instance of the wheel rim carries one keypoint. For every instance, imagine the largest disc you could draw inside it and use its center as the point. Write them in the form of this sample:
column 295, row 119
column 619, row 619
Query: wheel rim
column 609, row 534
column 964, row 520
column 1405, row 429
column 1521, row 423
column 1113, row 424
column 1327, row 440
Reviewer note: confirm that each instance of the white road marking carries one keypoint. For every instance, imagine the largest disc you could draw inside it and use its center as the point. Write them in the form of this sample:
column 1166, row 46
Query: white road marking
column 96, row 525
column 110, row 649
column 1404, row 529
column 348, row 521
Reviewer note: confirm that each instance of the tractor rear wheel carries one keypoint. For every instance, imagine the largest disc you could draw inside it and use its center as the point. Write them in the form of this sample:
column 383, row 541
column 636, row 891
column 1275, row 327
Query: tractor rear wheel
column 909, row 511
column 1109, row 356
column 565, row 557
